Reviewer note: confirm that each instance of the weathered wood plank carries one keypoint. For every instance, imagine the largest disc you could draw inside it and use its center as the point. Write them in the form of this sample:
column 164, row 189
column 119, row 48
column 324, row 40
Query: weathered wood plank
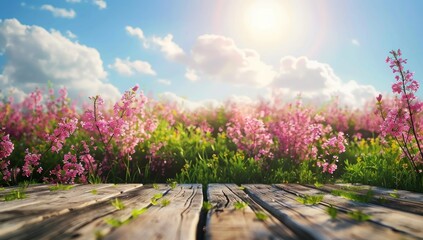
column 49, row 204
column 225, row 222
column 178, row 220
column 407, row 224
column 400, row 200
column 399, row 194
column 88, row 222
column 312, row 221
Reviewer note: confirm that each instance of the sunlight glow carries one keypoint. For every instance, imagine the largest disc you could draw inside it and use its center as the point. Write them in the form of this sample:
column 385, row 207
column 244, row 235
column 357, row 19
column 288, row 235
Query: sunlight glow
column 266, row 20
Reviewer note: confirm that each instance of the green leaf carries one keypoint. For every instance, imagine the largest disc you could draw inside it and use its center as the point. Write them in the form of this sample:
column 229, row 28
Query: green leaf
column 118, row 204
column 261, row 216
column 240, row 205
column 137, row 212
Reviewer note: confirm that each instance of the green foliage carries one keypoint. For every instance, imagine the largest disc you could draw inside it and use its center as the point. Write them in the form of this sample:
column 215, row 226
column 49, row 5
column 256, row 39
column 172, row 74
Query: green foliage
column 261, row 216
column 165, row 202
column 15, row 194
column 156, row 197
column 94, row 191
column 359, row 216
column 136, row 212
column 172, row 183
column 207, row 206
column 113, row 222
column 239, row 205
column 394, row 194
column 370, row 162
column 118, row 204
column 60, row 187
column 310, row 199
column 156, row 186
column 354, row 196
column 332, row 211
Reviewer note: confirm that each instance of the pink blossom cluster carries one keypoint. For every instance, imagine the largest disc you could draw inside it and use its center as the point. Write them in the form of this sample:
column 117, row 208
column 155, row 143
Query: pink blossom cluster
column 67, row 173
column 251, row 136
column 65, row 128
column 402, row 119
column 32, row 161
column 6, row 149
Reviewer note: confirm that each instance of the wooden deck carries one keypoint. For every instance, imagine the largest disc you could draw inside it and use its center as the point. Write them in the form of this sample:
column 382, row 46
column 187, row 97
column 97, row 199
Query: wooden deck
column 251, row 211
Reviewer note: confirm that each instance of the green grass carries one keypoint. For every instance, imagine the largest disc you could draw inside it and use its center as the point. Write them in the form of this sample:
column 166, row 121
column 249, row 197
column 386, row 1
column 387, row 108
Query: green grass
column 359, row 216
column 15, row 195
column 240, row 205
column 261, row 216
column 165, row 202
column 332, row 211
column 60, row 187
column 118, row 204
column 207, row 206
column 394, row 194
column 310, row 199
column 156, row 197
column 136, row 212
column 354, row 196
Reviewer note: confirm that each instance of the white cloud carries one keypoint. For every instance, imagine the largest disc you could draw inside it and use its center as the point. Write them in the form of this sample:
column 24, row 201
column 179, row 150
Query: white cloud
column 137, row 32
column 187, row 105
column 101, row 4
column 59, row 12
column 128, row 68
column 355, row 42
column 35, row 56
column 73, row 1
column 218, row 58
column 191, row 75
column 166, row 44
column 71, row 34
column 169, row 47
column 164, row 82
column 317, row 83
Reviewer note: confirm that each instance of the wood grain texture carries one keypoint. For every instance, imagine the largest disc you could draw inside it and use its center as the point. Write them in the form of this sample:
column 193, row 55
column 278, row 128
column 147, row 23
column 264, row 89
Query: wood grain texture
column 395, row 199
column 312, row 221
column 225, row 222
column 178, row 220
column 407, row 224
column 55, row 203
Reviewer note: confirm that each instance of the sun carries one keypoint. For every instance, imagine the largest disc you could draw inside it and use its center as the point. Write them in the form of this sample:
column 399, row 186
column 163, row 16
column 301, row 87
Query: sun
column 266, row 20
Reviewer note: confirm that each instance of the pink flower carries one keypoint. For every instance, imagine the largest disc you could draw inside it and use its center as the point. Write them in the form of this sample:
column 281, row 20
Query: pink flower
column 379, row 98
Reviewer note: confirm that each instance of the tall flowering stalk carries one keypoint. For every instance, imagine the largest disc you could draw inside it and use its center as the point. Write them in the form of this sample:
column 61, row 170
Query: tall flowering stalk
column 401, row 120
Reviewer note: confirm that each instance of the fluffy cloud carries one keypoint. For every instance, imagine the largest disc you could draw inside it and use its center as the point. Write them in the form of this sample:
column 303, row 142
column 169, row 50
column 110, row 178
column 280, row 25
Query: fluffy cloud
column 59, row 12
column 128, row 68
column 166, row 45
column 187, row 105
column 191, row 75
column 317, row 83
column 35, row 56
column 137, row 32
column 169, row 47
column 101, row 4
column 218, row 58
column 70, row 34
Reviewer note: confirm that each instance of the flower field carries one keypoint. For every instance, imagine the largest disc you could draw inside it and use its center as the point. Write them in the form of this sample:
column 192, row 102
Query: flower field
column 47, row 138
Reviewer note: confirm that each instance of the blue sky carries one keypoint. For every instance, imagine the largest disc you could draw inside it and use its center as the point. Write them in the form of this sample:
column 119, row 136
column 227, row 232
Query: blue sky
column 209, row 50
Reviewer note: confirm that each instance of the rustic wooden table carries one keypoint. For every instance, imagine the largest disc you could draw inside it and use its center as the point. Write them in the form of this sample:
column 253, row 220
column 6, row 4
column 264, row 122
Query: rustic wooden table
column 251, row 211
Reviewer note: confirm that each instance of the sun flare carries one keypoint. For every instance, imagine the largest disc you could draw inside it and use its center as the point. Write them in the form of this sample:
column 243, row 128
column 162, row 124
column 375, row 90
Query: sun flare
column 266, row 20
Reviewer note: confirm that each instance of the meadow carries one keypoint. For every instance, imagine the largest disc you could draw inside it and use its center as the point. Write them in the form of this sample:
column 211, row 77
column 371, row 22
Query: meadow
column 47, row 138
